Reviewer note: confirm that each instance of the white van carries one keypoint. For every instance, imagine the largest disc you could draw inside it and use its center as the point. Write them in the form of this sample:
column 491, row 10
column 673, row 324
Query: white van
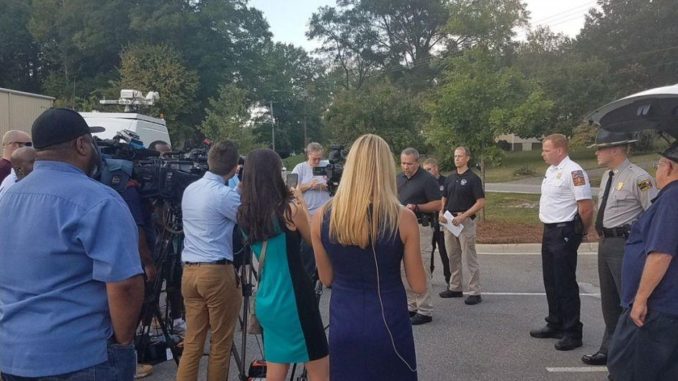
column 148, row 128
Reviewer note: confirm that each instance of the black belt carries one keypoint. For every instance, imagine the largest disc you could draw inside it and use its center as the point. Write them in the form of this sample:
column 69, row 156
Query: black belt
column 618, row 232
column 219, row 262
column 559, row 224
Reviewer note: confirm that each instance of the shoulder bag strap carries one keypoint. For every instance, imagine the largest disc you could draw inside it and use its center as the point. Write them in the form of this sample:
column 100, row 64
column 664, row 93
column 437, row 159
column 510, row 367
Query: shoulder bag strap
column 262, row 257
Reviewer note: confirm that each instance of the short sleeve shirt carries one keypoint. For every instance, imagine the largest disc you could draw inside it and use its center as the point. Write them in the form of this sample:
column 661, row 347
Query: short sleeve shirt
column 462, row 191
column 655, row 231
column 314, row 198
column 563, row 185
column 631, row 192
column 64, row 237
column 418, row 189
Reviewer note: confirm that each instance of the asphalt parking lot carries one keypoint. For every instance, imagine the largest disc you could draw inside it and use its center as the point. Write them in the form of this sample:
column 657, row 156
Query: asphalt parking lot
column 490, row 341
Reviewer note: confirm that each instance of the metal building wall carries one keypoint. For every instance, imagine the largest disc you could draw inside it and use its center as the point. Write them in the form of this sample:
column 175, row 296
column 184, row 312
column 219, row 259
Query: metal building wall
column 18, row 109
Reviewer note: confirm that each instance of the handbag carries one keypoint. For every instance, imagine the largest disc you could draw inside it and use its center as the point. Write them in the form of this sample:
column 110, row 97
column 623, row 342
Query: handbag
column 253, row 326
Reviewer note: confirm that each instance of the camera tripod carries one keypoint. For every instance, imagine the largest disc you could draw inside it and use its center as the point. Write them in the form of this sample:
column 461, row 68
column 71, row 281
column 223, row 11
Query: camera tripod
column 166, row 254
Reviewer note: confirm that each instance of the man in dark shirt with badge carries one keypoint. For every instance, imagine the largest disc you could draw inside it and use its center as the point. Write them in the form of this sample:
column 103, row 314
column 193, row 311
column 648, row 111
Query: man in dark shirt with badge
column 645, row 343
column 463, row 197
column 419, row 192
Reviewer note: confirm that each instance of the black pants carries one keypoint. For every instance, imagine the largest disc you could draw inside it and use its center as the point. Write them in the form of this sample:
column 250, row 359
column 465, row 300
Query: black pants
column 610, row 255
column 559, row 266
column 647, row 353
column 438, row 240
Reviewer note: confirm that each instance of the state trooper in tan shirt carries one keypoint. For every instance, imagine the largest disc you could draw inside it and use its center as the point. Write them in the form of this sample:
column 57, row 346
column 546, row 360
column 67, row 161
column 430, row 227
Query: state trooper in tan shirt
column 626, row 191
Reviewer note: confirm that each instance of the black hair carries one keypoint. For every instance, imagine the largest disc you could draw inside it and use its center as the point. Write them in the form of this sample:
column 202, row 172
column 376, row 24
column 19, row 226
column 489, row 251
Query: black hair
column 264, row 197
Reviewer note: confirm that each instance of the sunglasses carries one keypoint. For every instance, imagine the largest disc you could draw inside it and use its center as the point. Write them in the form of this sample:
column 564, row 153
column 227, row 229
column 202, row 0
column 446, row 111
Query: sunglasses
column 23, row 144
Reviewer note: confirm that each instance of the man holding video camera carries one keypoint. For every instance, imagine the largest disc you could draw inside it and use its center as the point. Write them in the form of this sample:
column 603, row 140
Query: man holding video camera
column 420, row 193
column 314, row 189
column 211, row 296
column 71, row 284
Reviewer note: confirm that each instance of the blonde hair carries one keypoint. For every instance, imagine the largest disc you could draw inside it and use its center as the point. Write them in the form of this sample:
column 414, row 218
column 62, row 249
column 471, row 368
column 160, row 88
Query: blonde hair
column 368, row 183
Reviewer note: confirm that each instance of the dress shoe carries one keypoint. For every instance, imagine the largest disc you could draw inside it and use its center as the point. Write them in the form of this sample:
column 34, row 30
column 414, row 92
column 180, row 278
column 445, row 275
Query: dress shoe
column 473, row 299
column 568, row 343
column 412, row 313
column 419, row 319
column 597, row 358
column 546, row 333
column 451, row 294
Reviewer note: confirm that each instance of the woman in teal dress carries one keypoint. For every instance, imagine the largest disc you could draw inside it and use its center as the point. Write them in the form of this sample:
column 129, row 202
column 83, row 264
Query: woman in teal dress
column 285, row 302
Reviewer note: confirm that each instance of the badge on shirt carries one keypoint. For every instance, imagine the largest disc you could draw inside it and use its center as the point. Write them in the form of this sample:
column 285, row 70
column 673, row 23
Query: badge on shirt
column 620, row 186
column 463, row 181
column 578, row 178
column 644, row 185
column 559, row 175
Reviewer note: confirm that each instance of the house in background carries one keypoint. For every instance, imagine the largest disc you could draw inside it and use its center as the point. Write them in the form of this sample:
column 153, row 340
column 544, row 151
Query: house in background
column 18, row 109
column 514, row 143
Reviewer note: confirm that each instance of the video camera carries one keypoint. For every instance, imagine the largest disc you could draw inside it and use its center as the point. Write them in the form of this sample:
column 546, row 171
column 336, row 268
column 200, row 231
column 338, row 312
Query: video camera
column 124, row 157
column 333, row 171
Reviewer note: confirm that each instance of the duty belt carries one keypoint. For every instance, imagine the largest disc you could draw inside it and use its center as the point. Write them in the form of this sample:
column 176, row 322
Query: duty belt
column 219, row 262
column 618, row 232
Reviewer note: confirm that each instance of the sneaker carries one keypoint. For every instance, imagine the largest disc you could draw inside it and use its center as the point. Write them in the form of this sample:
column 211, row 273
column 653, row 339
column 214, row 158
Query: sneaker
column 143, row 370
column 419, row 319
column 451, row 294
column 179, row 326
column 473, row 299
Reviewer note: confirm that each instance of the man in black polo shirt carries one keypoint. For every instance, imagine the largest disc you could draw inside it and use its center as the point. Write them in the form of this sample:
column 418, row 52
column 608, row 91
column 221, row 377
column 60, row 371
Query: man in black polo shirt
column 463, row 197
column 438, row 239
column 419, row 192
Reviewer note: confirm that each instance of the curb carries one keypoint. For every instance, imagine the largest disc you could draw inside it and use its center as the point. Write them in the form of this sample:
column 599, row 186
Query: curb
column 528, row 248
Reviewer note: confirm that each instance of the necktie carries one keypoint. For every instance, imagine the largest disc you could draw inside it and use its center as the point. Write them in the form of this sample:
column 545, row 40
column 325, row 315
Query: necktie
column 601, row 211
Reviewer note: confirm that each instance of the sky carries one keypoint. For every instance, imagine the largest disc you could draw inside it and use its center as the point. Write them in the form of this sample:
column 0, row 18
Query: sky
column 289, row 18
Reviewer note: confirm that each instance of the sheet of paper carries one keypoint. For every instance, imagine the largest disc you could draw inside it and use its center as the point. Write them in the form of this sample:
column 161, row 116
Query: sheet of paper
column 456, row 230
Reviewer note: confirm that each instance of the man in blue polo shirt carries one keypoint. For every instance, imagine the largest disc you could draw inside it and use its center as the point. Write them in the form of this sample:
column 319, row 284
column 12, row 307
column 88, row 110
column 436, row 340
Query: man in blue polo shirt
column 645, row 342
column 70, row 277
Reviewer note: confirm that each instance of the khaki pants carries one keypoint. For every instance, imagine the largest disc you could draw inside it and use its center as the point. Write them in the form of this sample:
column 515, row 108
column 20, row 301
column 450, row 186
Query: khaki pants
column 464, row 247
column 422, row 303
column 212, row 301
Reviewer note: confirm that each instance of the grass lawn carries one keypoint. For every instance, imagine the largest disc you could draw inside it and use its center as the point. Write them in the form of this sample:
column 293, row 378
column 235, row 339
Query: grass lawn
column 510, row 218
column 530, row 163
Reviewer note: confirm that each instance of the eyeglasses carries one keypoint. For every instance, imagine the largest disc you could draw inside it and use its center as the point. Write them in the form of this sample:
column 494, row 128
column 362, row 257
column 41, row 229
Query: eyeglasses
column 22, row 144
column 658, row 164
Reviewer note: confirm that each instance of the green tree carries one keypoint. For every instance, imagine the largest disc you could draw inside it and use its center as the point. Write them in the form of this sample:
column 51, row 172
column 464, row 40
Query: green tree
column 638, row 39
column 576, row 83
column 20, row 66
column 379, row 108
column 160, row 68
column 479, row 100
column 227, row 117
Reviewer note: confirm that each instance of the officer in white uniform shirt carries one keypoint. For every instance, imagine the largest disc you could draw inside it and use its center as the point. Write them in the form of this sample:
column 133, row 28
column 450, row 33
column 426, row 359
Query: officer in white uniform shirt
column 566, row 209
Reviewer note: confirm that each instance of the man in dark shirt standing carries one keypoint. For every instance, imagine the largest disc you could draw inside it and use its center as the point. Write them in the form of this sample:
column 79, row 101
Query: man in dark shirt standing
column 463, row 197
column 438, row 239
column 419, row 192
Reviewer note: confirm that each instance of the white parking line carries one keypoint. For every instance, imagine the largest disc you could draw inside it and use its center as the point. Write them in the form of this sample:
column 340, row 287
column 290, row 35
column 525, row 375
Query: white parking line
column 532, row 294
column 576, row 369
column 534, row 253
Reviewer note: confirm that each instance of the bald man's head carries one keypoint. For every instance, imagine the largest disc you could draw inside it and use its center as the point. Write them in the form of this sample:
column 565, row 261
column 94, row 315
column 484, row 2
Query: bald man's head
column 22, row 161
column 12, row 140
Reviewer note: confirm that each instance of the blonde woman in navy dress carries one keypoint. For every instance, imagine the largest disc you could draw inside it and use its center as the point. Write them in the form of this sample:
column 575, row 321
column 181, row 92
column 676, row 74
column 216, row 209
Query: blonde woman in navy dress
column 361, row 239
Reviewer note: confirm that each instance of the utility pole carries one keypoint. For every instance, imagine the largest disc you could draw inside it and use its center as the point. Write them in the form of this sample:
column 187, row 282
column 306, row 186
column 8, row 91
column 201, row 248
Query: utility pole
column 272, row 127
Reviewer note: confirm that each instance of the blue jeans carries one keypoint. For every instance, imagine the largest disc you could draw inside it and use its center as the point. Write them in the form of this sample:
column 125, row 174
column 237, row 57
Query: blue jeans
column 120, row 366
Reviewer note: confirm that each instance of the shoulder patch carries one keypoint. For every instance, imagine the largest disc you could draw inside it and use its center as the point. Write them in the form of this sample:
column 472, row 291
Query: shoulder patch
column 578, row 178
column 644, row 185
